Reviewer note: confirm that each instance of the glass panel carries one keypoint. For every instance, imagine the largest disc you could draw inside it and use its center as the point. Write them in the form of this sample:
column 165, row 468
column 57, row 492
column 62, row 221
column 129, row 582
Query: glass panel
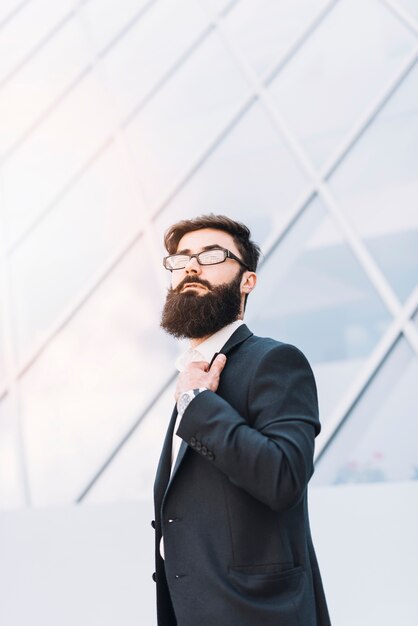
column 61, row 257
column 411, row 7
column 40, row 81
column 265, row 30
column 7, row 7
column 217, row 6
column 2, row 338
column 54, row 153
column 97, row 375
column 184, row 116
column 377, row 187
column 131, row 474
column 313, row 293
column 136, row 64
column 11, row 494
column 28, row 27
column 251, row 177
column 379, row 439
column 107, row 20
column 329, row 83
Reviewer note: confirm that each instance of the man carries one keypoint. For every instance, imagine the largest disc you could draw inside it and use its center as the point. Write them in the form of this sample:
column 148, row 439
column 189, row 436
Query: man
column 233, row 545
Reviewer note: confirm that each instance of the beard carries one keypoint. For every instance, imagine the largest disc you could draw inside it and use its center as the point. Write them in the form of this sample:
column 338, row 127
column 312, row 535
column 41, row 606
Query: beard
column 196, row 316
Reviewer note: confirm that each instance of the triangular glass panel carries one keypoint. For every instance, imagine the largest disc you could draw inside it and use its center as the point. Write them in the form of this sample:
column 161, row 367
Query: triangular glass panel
column 378, row 440
column 313, row 292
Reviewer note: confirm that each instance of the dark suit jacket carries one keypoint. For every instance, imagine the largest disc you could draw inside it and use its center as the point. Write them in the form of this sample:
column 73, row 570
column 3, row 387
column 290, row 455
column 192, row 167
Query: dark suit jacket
column 238, row 549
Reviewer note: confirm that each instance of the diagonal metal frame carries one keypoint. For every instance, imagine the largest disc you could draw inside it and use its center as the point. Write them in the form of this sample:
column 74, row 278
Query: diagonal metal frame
column 318, row 186
column 377, row 278
column 158, row 206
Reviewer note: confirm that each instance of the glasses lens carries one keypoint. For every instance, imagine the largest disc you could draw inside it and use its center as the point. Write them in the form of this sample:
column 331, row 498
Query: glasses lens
column 177, row 261
column 211, row 257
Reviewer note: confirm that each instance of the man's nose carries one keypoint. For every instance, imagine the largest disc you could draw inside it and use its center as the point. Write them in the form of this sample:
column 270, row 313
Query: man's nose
column 193, row 266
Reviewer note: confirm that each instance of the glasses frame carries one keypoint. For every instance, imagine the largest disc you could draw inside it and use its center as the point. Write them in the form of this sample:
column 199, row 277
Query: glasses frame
column 227, row 255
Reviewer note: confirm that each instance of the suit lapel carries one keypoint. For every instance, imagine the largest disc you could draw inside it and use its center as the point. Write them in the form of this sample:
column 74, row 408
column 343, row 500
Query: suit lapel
column 163, row 479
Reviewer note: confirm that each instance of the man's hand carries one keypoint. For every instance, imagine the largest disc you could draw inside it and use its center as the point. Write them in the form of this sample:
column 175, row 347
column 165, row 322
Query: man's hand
column 198, row 374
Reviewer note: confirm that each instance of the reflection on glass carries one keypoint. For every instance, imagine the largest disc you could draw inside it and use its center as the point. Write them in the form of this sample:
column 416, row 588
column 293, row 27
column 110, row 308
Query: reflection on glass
column 53, row 154
column 313, row 293
column 377, row 187
column 265, row 30
column 250, row 177
column 131, row 474
column 331, row 81
column 2, row 339
column 411, row 8
column 11, row 492
column 94, row 379
column 107, row 20
column 21, row 34
column 186, row 114
column 145, row 53
column 379, row 439
column 69, row 248
column 40, row 81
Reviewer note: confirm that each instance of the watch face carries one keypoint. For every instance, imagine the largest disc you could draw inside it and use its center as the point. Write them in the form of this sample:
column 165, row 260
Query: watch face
column 184, row 401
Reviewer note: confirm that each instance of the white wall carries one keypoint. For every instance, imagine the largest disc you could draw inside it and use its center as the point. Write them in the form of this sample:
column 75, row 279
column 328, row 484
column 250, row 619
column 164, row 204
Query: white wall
column 92, row 565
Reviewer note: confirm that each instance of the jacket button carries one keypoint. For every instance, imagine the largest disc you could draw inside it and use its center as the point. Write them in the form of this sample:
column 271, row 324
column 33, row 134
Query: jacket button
column 211, row 456
column 204, row 450
column 153, row 524
column 193, row 442
column 198, row 446
column 154, row 577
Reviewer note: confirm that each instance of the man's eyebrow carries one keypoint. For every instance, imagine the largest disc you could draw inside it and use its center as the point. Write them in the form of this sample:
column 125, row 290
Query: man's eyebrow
column 204, row 249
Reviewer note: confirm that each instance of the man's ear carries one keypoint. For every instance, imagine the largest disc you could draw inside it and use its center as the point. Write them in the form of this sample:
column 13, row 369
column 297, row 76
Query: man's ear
column 248, row 282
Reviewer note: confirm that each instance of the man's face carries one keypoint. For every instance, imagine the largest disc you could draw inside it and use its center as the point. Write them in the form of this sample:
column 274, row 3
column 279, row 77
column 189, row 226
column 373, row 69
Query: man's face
column 196, row 241
column 205, row 298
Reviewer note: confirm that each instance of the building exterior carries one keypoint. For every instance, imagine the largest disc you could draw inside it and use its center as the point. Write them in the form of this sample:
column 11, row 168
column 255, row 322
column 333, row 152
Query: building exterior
column 298, row 118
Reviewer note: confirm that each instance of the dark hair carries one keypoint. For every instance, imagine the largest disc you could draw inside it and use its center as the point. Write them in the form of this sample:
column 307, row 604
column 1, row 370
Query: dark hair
column 249, row 250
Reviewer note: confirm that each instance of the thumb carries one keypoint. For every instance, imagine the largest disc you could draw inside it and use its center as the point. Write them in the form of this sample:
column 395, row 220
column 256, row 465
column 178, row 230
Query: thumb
column 218, row 364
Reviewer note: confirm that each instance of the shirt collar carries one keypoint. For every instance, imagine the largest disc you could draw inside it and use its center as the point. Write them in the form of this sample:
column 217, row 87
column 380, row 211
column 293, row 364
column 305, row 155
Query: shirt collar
column 206, row 350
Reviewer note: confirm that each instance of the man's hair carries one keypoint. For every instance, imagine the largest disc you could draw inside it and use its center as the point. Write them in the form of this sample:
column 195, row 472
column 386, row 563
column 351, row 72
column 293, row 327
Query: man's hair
column 249, row 250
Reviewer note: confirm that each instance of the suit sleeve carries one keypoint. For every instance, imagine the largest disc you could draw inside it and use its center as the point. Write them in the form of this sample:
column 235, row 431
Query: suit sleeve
column 271, row 455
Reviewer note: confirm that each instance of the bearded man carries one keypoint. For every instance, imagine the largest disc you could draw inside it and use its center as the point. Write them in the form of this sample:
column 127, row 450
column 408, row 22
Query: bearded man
column 233, row 545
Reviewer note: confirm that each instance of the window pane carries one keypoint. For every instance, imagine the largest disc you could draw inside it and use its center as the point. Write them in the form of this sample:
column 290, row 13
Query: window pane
column 131, row 474
column 51, row 157
column 107, row 19
column 379, row 439
column 377, row 187
column 41, row 81
column 250, row 177
column 313, row 293
column 94, row 379
column 11, row 493
column 138, row 61
column 61, row 257
column 411, row 7
column 184, row 116
column 2, row 339
column 329, row 83
column 27, row 28
column 265, row 30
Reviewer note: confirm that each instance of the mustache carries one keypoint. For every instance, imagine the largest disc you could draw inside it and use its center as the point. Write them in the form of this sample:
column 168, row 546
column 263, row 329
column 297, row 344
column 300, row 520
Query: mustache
column 189, row 279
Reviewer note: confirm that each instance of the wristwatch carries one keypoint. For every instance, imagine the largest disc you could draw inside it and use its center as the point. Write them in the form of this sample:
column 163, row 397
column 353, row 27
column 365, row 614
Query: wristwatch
column 186, row 397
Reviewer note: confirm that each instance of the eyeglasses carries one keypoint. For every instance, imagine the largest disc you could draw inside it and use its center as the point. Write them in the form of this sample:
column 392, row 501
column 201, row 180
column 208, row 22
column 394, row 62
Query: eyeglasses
column 207, row 257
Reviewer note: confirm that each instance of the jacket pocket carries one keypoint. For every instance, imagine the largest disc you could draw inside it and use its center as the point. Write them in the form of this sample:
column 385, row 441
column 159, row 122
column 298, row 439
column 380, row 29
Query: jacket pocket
column 267, row 580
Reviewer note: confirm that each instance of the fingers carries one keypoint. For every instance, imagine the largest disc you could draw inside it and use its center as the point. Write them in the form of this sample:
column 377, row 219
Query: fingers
column 201, row 365
column 218, row 364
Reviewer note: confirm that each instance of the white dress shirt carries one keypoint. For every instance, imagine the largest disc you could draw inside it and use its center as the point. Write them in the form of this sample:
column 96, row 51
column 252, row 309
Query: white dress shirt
column 204, row 351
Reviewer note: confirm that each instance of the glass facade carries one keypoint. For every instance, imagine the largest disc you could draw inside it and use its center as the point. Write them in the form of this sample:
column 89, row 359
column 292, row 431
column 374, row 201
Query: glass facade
column 297, row 118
